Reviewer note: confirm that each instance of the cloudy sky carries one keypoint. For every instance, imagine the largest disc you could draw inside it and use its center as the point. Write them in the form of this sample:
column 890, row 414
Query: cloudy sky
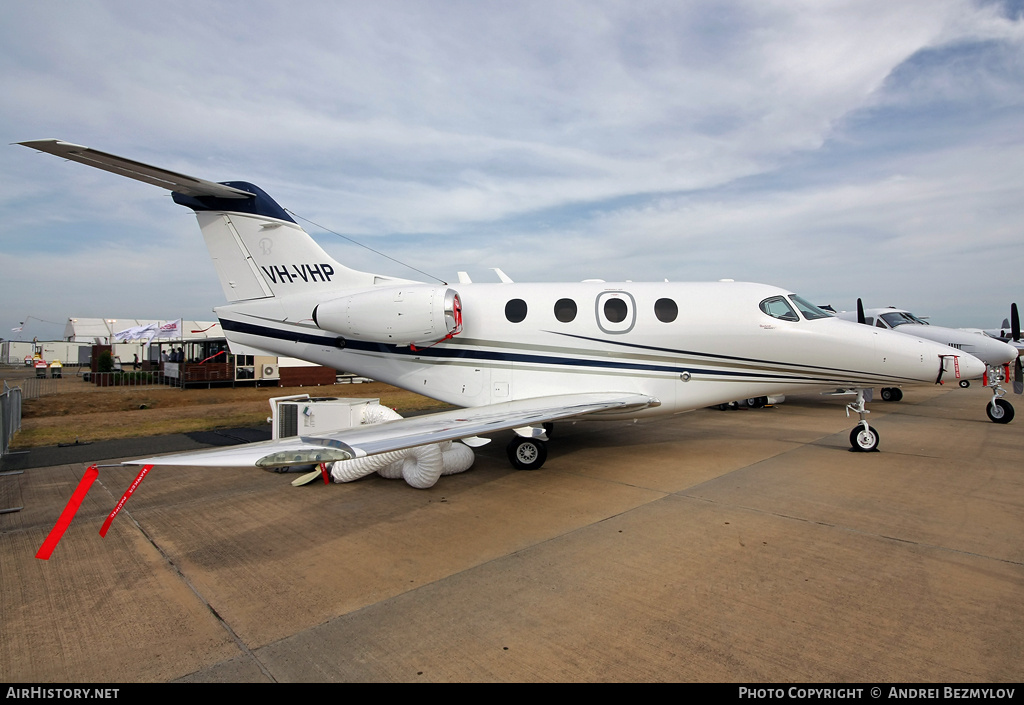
column 838, row 149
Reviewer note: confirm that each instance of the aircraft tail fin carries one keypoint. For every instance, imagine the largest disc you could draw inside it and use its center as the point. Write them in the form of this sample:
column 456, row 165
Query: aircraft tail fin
column 258, row 250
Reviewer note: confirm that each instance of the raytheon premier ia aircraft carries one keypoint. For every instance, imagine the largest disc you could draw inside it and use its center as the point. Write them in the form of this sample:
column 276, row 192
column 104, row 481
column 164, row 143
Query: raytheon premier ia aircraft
column 513, row 356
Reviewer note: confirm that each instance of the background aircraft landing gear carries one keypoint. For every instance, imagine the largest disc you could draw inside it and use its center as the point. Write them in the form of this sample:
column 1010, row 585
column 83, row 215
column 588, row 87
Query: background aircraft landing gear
column 864, row 439
column 527, row 453
column 892, row 394
column 1000, row 411
column 965, row 383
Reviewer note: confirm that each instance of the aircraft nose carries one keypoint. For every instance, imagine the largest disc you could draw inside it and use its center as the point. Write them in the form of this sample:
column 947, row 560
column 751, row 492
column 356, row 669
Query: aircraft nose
column 998, row 352
column 970, row 366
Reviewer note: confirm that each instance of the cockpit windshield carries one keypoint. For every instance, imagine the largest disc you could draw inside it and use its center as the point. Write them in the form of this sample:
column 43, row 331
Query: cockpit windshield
column 778, row 307
column 898, row 318
column 808, row 310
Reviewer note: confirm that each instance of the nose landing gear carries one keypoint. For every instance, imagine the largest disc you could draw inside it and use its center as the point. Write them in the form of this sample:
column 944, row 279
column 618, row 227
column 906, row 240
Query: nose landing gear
column 999, row 410
column 863, row 438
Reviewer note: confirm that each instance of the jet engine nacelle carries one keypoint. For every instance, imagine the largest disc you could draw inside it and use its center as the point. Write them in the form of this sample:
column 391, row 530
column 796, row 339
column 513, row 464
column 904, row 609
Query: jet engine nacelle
column 401, row 315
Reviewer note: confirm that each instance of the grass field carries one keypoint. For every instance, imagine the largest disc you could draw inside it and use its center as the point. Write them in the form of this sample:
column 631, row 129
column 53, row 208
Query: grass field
column 84, row 412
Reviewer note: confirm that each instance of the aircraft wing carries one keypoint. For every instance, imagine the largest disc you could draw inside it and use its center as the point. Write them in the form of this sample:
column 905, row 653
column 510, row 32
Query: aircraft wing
column 171, row 180
column 405, row 433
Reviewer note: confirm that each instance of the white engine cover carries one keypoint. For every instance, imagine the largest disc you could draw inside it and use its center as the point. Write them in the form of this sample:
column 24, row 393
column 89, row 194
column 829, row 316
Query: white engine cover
column 400, row 315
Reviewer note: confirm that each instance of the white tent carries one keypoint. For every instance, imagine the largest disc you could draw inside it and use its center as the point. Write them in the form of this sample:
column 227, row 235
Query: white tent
column 102, row 330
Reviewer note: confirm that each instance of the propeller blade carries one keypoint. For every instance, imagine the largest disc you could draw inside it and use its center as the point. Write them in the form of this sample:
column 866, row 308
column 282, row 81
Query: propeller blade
column 1018, row 377
column 860, row 311
column 1015, row 323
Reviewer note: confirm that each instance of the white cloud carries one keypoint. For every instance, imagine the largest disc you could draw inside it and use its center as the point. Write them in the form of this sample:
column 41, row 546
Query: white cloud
column 631, row 139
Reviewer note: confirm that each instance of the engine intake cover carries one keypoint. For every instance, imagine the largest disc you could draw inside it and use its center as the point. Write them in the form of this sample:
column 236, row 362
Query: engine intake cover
column 400, row 315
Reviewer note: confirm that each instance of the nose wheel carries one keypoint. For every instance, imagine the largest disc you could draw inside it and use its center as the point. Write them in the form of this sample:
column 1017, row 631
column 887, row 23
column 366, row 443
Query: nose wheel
column 864, row 439
column 1000, row 411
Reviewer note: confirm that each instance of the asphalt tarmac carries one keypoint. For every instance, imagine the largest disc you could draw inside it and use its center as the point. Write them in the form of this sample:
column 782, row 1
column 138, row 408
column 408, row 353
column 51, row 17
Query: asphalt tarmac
column 739, row 546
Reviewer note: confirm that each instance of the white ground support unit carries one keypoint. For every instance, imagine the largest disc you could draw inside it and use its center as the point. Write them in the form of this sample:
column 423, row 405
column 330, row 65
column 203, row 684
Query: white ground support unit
column 420, row 466
column 303, row 415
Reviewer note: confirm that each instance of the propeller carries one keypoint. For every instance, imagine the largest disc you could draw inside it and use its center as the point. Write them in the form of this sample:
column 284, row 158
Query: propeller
column 860, row 312
column 1015, row 329
column 1018, row 369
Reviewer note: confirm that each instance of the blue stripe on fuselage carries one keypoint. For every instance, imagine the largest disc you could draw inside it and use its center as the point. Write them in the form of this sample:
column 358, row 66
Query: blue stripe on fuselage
column 496, row 356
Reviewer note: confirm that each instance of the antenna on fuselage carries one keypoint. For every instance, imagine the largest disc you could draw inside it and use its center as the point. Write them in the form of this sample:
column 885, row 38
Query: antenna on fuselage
column 365, row 247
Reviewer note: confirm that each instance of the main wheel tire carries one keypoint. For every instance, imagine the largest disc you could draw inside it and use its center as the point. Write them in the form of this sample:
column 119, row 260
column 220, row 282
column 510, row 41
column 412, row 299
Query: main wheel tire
column 863, row 441
column 965, row 383
column 1002, row 413
column 886, row 393
column 527, row 453
column 897, row 394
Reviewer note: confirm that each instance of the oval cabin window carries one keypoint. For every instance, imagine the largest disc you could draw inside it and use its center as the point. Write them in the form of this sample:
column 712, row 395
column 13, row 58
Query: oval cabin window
column 565, row 310
column 666, row 310
column 515, row 311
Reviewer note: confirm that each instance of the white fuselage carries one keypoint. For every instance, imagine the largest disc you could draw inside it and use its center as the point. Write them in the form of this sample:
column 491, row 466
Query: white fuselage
column 719, row 345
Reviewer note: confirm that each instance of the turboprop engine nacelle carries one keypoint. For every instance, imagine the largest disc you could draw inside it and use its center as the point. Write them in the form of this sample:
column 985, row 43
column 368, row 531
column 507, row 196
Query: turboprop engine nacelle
column 401, row 315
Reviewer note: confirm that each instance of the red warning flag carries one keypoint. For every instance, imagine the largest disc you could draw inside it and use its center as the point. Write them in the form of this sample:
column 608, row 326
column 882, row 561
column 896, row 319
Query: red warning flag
column 68, row 514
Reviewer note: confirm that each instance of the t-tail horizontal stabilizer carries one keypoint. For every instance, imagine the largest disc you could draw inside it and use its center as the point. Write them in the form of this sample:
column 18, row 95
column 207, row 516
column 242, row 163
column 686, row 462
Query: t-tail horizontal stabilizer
column 170, row 180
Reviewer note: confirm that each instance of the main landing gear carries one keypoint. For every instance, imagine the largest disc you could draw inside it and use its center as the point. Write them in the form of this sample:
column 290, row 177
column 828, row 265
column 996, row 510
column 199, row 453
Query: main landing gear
column 892, row 394
column 527, row 453
column 528, row 449
column 863, row 438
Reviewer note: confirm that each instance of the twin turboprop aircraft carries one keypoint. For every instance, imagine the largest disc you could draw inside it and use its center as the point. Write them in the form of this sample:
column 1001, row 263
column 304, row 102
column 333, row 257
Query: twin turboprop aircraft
column 513, row 355
column 995, row 354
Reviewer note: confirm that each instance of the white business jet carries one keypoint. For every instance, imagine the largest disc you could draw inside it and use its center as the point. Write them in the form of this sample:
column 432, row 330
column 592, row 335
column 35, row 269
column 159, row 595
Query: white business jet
column 996, row 354
column 513, row 355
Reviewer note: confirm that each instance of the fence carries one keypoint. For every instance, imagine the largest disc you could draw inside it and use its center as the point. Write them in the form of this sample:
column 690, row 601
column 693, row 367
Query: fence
column 35, row 387
column 10, row 416
column 126, row 379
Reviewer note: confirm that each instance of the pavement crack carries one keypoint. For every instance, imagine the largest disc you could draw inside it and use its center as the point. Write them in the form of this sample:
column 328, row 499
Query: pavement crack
column 195, row 591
